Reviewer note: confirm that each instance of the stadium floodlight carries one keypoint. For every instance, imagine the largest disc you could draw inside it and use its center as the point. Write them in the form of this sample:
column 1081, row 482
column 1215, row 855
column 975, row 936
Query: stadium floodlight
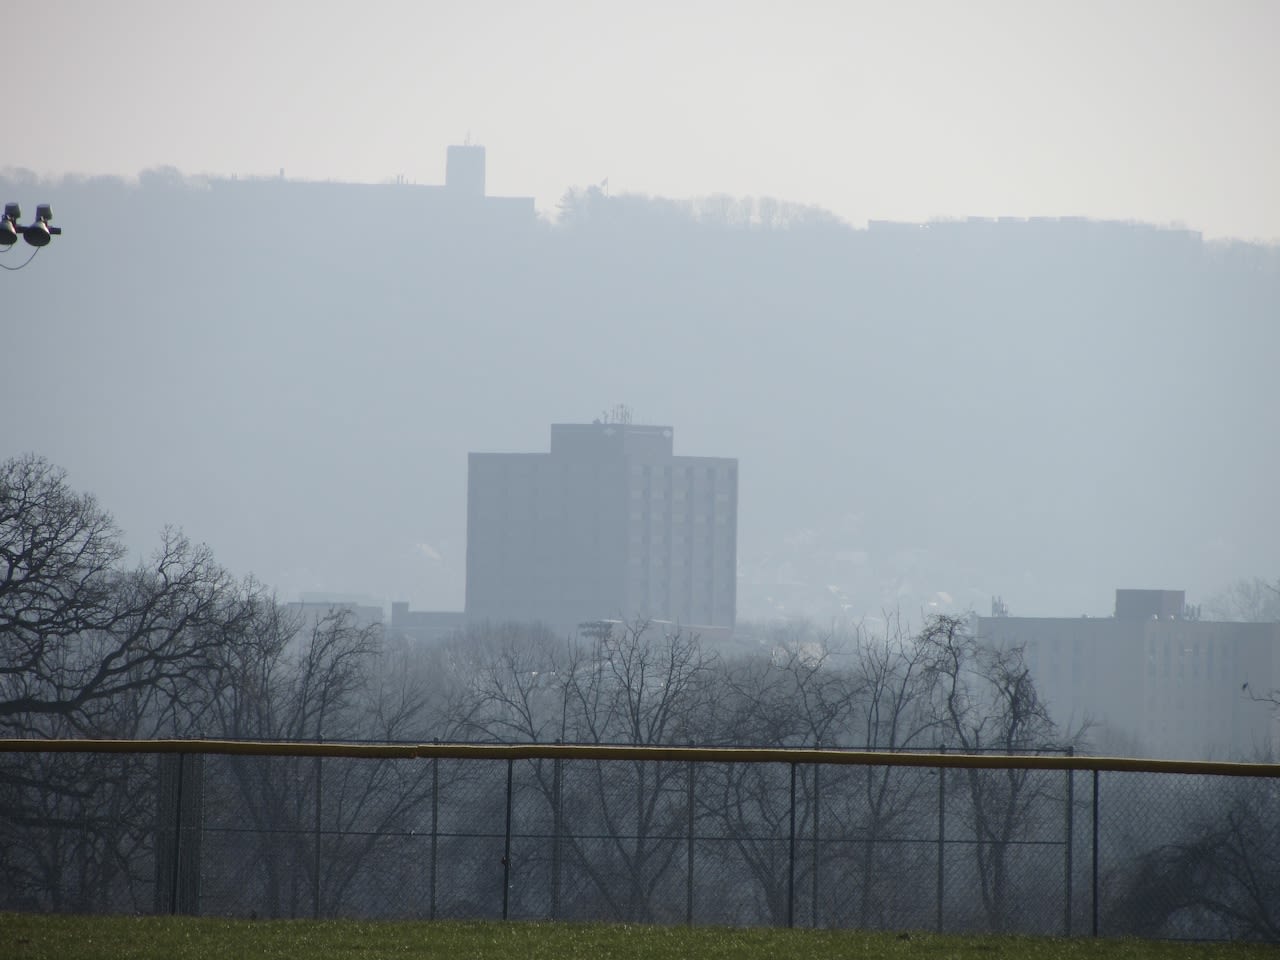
column 38, row 232
column 9, row 225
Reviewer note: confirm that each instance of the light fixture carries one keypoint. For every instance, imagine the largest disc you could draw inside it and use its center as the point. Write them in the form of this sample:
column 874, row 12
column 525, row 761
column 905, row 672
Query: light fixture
column 38, row 232
column 9, row 225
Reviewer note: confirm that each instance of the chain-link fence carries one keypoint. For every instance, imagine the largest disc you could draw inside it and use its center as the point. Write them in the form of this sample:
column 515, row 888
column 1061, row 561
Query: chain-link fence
column 1046, row 845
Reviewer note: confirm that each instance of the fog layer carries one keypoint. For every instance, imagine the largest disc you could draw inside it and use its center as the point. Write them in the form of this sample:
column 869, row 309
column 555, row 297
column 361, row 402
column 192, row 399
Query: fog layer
column 295, row 373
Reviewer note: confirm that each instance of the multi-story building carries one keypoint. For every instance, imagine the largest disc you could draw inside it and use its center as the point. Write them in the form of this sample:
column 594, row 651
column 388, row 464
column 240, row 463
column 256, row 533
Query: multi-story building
column 1153, row 679
column 609, row 525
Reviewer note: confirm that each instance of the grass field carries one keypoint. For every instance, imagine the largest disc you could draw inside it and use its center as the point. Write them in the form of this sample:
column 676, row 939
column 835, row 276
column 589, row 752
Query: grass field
column 33, row 937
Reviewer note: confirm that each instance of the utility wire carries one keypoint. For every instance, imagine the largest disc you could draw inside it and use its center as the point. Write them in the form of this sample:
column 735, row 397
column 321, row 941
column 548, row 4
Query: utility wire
column 23, row 263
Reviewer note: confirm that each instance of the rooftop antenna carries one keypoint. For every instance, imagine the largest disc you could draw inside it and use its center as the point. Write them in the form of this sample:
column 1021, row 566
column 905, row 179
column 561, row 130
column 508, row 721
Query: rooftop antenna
column 618, row 413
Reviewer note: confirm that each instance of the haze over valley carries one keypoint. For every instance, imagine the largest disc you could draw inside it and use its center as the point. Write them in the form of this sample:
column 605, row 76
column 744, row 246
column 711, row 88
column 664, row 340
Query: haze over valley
column 925, row 415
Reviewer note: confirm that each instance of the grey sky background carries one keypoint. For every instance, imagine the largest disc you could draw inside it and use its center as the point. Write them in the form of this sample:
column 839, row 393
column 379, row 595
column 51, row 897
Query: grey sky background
column 1044, row 411
column 1156, row 111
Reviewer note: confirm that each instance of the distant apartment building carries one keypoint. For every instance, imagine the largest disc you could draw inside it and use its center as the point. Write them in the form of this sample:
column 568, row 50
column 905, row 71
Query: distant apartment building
column 1154, row 678
column 609, row 525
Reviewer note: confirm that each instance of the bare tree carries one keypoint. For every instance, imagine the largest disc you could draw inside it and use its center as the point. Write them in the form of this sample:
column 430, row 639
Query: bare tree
column 985, row 700
column 77, row 633
column 58, row 550
column 513, row 682
column 1220, row 877
column 640, row 684
column 1252, row 600
column 632, row 683
column 800, row 693
column 886, row 803
column 318, row 822
column 88, row 647
column 850, row 689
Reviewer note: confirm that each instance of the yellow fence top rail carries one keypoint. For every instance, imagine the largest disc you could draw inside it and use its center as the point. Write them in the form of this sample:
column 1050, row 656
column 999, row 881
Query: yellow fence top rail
column 551, row 751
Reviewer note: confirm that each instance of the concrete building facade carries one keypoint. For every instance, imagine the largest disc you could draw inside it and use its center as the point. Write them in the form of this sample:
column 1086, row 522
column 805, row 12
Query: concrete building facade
column 608, row 525
column 1154, row 679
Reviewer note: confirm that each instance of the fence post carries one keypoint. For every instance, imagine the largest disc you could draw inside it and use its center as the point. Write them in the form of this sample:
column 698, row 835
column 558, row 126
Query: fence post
column 1095, row 852
column 688, row 894
column 817, row 793
column 1070, row 830
column 556, row 788
column 435, row 834
column 942, row 837
column 506, row 846
column 315, row 872
column 791, row 855
column 177, row 836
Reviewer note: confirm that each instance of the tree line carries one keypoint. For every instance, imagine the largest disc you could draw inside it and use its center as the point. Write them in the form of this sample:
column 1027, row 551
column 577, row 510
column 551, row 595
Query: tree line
column 176, row 646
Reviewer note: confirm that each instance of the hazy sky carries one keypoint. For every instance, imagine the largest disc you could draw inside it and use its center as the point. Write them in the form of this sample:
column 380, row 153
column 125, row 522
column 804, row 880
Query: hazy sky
column 1161, row 111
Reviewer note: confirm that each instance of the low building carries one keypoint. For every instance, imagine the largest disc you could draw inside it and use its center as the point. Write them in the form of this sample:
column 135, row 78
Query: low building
column 1154, row 679
column 425, row 626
